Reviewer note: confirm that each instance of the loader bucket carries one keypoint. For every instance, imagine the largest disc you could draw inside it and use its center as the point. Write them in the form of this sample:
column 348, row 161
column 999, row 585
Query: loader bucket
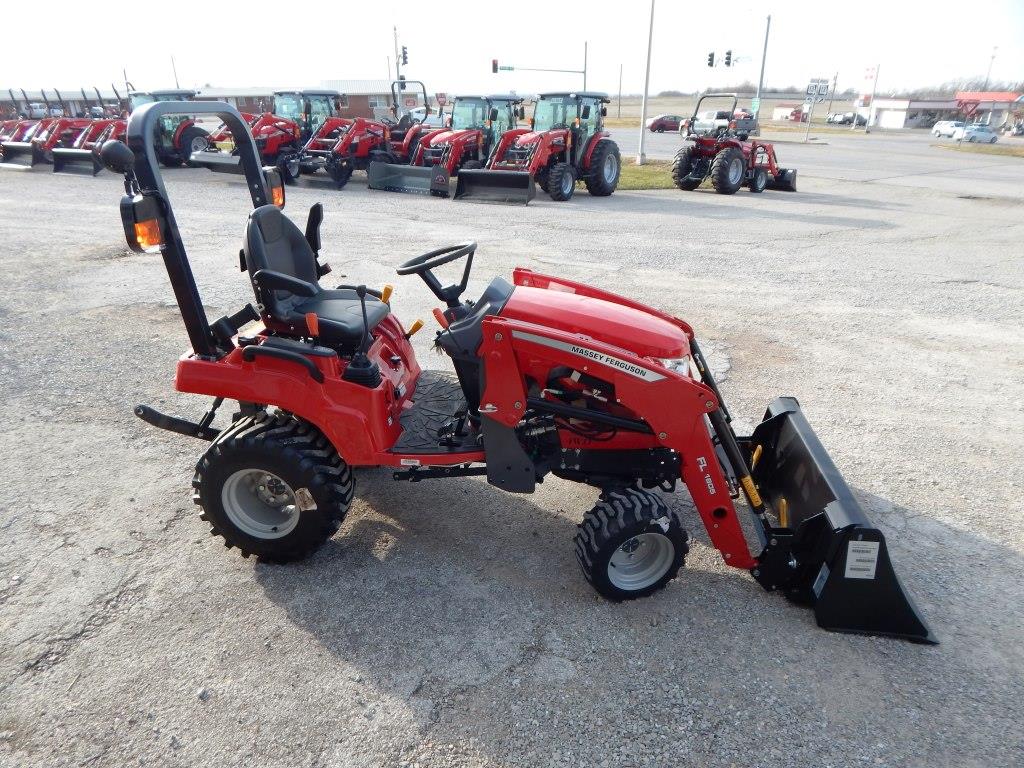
column 496, row 186
column 826, row 552
column 785, row 180
column 216, row 161
column 23, row 154
column 68, row 159
column 418, row 180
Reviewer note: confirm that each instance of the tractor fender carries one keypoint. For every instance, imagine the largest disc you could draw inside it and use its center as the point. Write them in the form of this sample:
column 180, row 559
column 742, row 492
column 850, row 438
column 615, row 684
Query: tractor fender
column 184, row 125
column 592, row 145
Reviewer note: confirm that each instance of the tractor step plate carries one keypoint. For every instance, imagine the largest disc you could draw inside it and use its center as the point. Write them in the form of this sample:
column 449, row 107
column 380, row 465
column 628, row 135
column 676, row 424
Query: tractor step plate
column 437, row 403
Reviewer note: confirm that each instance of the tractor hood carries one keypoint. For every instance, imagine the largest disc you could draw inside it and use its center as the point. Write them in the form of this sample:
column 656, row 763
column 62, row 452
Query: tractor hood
column 533, row 137
column 642, row 333
column 452, row 135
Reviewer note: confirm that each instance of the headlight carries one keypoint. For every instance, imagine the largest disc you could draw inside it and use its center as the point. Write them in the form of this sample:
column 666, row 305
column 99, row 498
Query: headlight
column 680, row 365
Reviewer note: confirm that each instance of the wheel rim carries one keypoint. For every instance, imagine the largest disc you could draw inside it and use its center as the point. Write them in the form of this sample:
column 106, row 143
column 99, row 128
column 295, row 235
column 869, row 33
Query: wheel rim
column 611, row 169
column 640, row 561
column 736, row 170
column 567, row 182
column 198, row 144
column 260, row 504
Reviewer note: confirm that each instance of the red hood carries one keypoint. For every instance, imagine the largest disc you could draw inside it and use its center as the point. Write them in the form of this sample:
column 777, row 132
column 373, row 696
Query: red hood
column 533, row 137
column 452, row 134
column 640, row 332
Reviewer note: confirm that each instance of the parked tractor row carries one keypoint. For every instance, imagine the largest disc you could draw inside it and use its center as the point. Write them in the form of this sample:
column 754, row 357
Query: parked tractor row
column 485, row 143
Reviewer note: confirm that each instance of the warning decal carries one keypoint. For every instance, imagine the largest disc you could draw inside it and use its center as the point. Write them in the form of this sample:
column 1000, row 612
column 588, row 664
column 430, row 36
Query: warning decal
column 861, row 559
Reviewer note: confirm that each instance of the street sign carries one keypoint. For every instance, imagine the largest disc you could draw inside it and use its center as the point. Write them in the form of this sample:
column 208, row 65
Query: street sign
column 817, row 89
column 969, row 108
column 442, row 99
column 409, row 101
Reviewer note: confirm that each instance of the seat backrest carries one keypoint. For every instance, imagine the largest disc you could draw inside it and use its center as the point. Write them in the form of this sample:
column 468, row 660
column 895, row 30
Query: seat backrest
column 272, row 241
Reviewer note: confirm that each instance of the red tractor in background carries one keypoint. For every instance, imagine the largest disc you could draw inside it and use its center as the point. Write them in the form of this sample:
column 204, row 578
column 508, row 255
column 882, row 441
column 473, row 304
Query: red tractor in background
column 342, row 146
column 727, row 156
column 178, row 136
column 472, row 131
column 16, row 138
column 566, row 143
column 279, row 133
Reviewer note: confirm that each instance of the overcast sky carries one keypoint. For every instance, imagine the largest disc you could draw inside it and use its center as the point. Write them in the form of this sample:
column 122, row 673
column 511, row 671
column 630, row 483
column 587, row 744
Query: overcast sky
column 917, row 44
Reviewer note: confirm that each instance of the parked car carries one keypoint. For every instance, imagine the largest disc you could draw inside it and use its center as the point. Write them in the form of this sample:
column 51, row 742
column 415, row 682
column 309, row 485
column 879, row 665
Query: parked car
column 946, row 128
column 741, row 121
column 36, row 110
column 846, row 118
column 662, row 123
column 433, row 120
column 978, row 132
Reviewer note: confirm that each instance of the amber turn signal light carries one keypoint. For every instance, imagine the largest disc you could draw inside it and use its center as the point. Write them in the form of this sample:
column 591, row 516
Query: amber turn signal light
column 147, row 234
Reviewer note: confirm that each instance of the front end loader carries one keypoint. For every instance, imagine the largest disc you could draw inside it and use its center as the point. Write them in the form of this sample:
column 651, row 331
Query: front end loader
column 280, row 133
column 566, row 143
column 549, row 377
column 472, row 131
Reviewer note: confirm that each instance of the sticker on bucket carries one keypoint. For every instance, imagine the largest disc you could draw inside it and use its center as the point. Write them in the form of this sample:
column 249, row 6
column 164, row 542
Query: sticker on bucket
column 861, row 559
column 819, row 583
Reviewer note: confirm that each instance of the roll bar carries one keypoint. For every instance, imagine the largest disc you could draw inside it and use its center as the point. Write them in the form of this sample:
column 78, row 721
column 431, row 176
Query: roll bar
column 141, row 136
column 142, row 130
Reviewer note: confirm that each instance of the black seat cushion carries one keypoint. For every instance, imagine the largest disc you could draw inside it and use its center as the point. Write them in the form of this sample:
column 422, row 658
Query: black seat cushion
column 273, row 242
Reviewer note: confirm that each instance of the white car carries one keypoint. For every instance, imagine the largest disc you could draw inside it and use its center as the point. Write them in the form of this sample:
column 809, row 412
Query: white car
column 419, row 114
column 946, row 128
column 980, row 133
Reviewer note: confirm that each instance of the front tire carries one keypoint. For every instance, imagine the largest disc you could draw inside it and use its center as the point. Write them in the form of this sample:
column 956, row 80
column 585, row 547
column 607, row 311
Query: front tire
column 561, row 182
column 273, row 486
column 605, row 168
column 759, row 180
column 630, row 544
column 289, row 166
column 682, row 165
column 340, row 172
column 727, row 171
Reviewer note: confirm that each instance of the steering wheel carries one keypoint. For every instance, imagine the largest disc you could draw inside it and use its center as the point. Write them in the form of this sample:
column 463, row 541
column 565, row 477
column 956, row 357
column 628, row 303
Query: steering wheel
column 423, row 264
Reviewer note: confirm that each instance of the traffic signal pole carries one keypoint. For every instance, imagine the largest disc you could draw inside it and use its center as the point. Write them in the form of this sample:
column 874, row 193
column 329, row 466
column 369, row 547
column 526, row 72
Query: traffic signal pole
column 764, row 57
column 640, row 157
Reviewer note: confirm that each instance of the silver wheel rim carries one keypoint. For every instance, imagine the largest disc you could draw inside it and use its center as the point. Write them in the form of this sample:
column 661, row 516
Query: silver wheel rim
column 567, row 182
column 198, row 144
column 260, row 504
column 611, row 168
column 640, row 561
column 736, row 171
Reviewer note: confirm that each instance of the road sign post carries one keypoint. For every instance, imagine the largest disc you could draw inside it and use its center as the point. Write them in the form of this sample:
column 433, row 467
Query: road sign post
column 817, row 90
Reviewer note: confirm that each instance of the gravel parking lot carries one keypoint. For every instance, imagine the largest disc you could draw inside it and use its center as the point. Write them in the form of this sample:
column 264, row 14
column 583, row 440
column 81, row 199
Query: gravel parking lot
column 447, row 624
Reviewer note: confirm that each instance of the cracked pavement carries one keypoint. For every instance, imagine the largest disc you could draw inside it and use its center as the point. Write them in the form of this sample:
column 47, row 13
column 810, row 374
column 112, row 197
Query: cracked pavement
column 447, row 623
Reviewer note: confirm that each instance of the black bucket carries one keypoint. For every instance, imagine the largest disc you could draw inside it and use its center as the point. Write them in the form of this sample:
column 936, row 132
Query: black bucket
column 413, row 179
column 825, row 552
column 495, row 186
column 70, row 159
column 23, row 154
column 217, row 161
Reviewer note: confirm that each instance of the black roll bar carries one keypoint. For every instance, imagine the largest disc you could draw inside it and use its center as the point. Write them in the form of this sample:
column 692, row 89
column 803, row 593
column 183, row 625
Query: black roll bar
column 141, row 137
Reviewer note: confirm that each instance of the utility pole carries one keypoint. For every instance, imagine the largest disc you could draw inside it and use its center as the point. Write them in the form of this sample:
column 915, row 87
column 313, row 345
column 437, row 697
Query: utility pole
column 832, row 95
column 175, row 70
column 989, row 73
column 398, row 60
column 764, row 57
column 640, row 157
column 871, row 106
column 620, row 91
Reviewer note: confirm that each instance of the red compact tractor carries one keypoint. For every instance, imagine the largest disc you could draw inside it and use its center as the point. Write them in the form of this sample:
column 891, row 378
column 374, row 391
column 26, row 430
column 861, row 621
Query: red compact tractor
column 84, row 150
column 473, row 130
column 549, row 377
column 725, row 154
column 342, row 146
column 280, row 133
column 566, row 143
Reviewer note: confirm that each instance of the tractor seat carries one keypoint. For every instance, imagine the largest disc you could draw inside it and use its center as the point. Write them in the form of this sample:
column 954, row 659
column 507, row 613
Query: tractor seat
column 284, row 274
column 399, row 129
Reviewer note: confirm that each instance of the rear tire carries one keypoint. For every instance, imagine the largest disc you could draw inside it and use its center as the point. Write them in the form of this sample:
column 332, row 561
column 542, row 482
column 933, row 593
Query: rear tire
column 630, row 544
column 605, row 168
column 193, row 139
column 759, row 180
column 274, row 487
column 561, row 182
column 682, row 164
column 728, row 171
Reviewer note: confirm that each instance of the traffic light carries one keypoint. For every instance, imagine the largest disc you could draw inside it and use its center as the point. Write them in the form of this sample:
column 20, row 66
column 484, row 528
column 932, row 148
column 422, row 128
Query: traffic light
column 711, row 59
column 401, row 82
column 728, row 58
column 405, row 55
column 494, row 66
